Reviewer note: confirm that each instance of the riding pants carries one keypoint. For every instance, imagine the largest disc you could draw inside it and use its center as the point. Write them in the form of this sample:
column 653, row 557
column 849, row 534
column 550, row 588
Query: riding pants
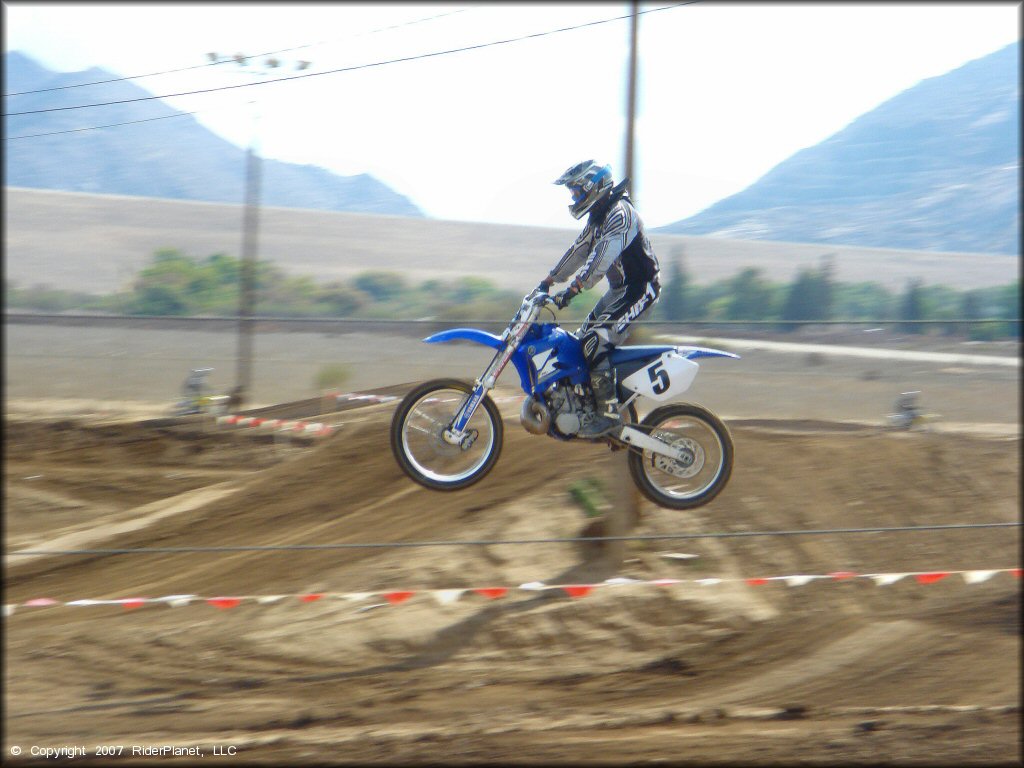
column 608, row 323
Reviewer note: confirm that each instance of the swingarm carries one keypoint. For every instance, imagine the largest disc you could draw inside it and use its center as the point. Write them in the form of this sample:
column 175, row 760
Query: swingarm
column 641, row 441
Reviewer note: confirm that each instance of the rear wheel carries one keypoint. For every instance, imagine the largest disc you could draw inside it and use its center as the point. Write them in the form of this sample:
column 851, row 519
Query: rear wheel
column 706, row 464
column 419, row 445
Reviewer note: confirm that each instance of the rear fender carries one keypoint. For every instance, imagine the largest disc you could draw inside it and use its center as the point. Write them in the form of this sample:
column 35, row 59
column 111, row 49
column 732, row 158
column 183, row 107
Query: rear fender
column 692, row 353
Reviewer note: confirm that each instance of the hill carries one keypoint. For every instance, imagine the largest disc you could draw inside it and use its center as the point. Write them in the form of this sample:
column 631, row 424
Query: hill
column 934, row 168
column 96, row 243
column 167, row 155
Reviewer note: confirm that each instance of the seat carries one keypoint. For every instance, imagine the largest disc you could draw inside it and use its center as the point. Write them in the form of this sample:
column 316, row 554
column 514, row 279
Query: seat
column 620, row 355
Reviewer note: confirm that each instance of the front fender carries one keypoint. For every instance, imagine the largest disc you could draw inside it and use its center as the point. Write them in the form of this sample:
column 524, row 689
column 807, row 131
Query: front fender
column 519, row 358
column 466, row 334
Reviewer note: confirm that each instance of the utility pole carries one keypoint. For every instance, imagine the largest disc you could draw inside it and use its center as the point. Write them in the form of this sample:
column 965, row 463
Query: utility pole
column 247, row 276
column 624, row 513
column 631, row 100
column 250, row 234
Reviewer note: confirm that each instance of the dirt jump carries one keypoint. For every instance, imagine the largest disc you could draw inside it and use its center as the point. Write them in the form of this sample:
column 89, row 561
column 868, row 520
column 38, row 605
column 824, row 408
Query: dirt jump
column 302, row 601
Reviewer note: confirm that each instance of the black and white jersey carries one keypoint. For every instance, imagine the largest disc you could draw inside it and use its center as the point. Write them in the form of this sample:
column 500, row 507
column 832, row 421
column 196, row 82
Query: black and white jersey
column 615, row 247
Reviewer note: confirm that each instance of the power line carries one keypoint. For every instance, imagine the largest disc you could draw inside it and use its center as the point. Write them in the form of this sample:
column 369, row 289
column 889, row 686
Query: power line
column 215, row 63
column 115, row 125
column 495, row 542
column 477, row 46
column 97, row 127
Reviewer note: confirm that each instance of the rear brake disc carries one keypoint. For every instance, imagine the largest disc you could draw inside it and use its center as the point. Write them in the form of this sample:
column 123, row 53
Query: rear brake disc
column 688, row 465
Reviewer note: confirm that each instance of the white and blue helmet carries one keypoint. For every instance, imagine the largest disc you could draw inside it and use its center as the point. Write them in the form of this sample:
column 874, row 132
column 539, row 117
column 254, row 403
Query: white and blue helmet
column 589, row 183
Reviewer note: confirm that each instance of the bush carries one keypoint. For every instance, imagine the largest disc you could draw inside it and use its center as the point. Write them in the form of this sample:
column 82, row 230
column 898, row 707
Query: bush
column 332, row 376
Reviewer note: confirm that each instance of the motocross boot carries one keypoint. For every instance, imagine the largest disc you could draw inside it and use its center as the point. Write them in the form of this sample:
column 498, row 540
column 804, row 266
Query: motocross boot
column 606, row 405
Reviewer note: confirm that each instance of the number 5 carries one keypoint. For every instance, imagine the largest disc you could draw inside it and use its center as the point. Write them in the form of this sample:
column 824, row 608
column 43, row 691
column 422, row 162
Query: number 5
column 659, row 378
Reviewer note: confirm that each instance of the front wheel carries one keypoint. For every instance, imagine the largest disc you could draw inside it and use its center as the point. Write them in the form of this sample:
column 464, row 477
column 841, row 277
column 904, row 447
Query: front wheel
column 705, row 467
column 419, row 444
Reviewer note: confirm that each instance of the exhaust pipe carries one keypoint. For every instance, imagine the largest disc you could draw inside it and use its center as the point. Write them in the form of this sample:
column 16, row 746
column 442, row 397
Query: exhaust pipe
column 535, row 416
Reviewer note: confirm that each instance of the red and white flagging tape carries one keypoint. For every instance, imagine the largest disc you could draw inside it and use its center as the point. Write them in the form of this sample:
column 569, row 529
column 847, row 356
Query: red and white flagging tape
column 449, row 596
column 315, row 428
column 366, row 398
column 311, row 428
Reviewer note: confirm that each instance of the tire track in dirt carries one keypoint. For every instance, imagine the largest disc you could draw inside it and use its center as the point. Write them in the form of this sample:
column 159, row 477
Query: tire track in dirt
column 142, row 518
column 299, row 536
column 837, row 659
column 288, row 504
column 522, row 676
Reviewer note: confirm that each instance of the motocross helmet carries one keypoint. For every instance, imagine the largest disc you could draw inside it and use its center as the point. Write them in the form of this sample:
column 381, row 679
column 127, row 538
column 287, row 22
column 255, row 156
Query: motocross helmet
column 589, row 183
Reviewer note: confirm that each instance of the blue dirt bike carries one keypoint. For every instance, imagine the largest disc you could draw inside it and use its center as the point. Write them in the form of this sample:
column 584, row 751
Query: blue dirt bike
column 447, row 434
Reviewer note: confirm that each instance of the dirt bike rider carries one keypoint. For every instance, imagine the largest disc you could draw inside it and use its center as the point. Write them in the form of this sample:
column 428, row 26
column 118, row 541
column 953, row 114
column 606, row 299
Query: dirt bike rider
column 907, row 409
column 614, row 245
column 194, row 387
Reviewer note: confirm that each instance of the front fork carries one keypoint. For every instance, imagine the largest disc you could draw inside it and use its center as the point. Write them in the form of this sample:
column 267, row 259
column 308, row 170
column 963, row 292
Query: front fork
column 457, row 434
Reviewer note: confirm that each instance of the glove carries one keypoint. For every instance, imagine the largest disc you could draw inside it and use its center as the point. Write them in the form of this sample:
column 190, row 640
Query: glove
column 563, row 298
column 543, row 287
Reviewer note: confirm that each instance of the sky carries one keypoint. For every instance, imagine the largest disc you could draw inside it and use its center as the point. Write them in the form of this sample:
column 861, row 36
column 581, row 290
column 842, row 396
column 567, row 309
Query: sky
column 726, row 91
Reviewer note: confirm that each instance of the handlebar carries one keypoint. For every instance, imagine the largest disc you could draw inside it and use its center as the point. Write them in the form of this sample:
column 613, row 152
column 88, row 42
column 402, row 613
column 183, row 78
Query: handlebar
column 539, row 297
column 533, row 302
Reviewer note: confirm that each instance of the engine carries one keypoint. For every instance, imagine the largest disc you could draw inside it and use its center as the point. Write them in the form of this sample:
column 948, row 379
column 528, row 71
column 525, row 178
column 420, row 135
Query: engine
column 561, row 411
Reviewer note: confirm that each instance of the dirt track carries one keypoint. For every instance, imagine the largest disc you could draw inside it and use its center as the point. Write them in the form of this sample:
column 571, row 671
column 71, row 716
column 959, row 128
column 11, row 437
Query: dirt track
column 833, row 671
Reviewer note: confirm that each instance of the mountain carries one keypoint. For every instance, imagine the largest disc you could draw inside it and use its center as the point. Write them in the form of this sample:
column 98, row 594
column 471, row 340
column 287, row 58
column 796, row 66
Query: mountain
column 170, row 155
column 23, row 74
column 934, row 168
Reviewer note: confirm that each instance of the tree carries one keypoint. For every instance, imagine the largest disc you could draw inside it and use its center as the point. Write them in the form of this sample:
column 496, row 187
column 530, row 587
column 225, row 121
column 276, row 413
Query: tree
column 800, row 299
column 380, row 286
column 165, row 255
column 970, row 305
column 1009, row 303
column 912, row 305
column 751, row 296
column 812, row 295
column 697, row 301
column 471, row 288
column 174, row 283
column 341, row 300
column 673, row 304
column 1008, row 298
column 825, row 287
column 971, row 309
column 225, row 269
column 155, row 299
column 863, row 301
column 164, row 287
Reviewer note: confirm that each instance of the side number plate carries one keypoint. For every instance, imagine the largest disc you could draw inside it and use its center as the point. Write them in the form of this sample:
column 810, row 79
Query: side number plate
column 665, row 378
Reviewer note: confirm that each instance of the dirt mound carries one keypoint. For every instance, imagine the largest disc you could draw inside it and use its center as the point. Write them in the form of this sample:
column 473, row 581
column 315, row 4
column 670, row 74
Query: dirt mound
column 700, row 670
